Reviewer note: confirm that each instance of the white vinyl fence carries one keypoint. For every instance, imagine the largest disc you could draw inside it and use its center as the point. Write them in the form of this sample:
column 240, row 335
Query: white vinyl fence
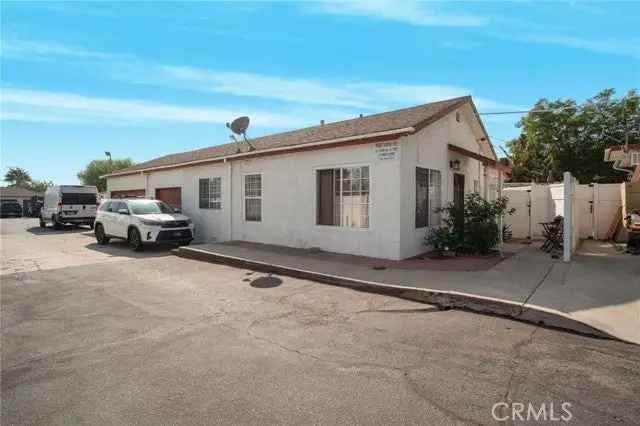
column 593, row 208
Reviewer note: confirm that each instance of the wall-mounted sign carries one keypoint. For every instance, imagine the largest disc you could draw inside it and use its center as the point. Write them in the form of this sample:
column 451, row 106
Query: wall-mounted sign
column 387, row 150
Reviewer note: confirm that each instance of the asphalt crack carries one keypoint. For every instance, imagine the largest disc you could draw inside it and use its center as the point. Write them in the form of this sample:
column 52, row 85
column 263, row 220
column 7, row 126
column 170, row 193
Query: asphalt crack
column 517, row 349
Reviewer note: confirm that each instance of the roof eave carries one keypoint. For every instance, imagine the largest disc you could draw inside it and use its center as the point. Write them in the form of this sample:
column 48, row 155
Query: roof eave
column 399, row 132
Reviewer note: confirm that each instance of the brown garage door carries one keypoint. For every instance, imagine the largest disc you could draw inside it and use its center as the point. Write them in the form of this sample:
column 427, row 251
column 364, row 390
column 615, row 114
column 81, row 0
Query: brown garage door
column 128, row 193
column 171, row 196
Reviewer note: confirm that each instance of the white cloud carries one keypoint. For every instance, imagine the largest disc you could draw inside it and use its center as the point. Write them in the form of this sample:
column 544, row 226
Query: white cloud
column 611, row 46
column 42, row 106
column 366, row 96
column 15, row 48
column 256, row 85
column 298, row 101
column 406, row 11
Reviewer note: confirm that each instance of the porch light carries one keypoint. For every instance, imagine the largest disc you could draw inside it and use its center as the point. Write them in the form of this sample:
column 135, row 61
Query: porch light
column 454, row 165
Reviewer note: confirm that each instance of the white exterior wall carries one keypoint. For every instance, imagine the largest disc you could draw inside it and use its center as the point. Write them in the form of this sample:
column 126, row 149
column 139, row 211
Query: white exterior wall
column 288, row 200
column 290, row 195
column 211, row 225
column 429, row 149
column 120, row 183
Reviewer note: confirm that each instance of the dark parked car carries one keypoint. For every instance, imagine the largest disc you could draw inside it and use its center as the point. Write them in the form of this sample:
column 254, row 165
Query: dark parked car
column 33, row 208
column 10, row 209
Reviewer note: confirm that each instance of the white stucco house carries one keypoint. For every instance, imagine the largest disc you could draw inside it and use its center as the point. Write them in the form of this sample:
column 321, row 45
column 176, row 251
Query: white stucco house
column 366, row 186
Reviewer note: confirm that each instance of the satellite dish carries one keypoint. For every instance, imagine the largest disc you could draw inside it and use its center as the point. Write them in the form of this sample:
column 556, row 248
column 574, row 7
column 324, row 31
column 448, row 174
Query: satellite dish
column 239, row 127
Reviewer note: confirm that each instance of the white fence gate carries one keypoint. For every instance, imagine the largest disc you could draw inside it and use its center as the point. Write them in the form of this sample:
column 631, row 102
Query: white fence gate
column 594, row 206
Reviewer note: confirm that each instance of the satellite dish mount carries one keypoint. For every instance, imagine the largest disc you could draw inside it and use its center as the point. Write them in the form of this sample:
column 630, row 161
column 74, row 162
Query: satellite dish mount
column 239, row 127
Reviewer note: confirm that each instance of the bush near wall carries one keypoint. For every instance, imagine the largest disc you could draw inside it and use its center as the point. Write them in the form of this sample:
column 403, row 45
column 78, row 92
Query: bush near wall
column 470, row 229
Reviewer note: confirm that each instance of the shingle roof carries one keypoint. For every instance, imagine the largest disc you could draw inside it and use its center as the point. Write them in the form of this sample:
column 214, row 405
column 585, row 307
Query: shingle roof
column 417, row 117
column 14, row 192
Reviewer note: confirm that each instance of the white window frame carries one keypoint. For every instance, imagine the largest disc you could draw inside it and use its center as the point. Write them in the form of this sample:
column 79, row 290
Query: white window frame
column 434, row 218
column 213, row 202
column 252, row 197
column 369, row 204
column 635, row 158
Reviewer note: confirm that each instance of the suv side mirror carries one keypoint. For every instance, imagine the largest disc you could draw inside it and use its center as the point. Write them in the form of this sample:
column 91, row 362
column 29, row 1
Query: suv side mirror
column 123, row 211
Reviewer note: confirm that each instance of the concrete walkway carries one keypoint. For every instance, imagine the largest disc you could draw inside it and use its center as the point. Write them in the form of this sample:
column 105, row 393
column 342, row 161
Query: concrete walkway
column 598, row 293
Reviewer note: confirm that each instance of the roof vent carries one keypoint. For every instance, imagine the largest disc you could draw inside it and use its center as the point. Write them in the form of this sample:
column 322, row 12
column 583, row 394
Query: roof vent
column 322, row 122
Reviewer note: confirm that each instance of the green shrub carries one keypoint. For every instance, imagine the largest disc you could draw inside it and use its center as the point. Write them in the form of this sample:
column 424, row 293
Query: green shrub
column 471, row 229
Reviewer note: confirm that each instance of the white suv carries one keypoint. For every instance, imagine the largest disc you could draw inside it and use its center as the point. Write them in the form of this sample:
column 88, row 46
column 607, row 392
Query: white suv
column 142, row 221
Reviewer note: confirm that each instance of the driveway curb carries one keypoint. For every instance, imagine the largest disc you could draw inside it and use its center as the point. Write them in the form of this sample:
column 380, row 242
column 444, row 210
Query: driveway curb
column 444, row 299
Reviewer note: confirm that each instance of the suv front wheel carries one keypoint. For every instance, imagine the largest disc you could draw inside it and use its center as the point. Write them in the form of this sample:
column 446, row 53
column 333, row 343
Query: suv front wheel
column 101, row 237
column 135, row 241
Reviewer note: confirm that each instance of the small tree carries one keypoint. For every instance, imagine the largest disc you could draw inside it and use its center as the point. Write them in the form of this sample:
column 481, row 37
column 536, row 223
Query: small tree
column 472, row 228
column 91, row 174
column 40, row 186
column 17, row 176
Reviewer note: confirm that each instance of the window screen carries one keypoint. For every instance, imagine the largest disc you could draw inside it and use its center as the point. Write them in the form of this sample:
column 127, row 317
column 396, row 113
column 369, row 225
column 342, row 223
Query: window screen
column 422, row 197
column 343, row 197
column 435, row 197
column 210, row 193
column 253, row 198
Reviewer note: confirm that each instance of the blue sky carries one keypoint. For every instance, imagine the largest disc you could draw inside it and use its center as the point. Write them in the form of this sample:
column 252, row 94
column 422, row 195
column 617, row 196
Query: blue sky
column 142, row 80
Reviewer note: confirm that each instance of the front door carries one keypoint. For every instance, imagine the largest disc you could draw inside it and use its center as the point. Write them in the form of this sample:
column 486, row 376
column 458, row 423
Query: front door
column 171, row 196
column 458, row 199
column 458, row 190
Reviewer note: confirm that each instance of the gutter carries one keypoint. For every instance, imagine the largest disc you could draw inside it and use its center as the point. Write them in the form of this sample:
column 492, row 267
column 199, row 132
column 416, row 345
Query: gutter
column 225, row 158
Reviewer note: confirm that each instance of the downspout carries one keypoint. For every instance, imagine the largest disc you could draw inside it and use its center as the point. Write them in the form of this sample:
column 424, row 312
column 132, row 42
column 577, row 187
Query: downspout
column 230, row 179
column 146, row 185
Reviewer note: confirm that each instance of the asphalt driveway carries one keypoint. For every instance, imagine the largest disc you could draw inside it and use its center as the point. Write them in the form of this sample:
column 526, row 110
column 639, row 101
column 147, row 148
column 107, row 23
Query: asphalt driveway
column 99, row 335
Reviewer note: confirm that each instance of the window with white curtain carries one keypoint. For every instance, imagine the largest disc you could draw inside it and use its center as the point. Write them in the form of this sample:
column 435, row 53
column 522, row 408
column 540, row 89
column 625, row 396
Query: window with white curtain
column 343, row 197
column 210, row 193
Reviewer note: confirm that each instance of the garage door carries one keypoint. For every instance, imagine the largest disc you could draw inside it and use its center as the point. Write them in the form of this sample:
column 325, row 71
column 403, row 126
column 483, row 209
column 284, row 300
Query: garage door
column 171, row 196
column 128, row 193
